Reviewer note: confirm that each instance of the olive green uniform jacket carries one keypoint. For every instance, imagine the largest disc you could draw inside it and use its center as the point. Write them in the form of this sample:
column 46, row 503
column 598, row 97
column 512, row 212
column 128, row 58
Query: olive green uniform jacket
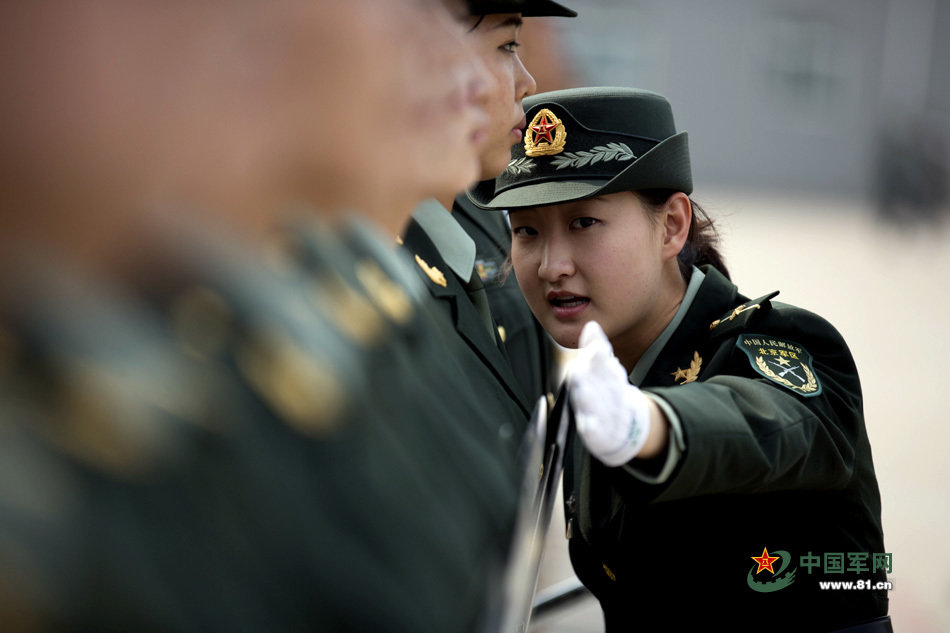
column 479, row 350
column 235, row 448
column 529, row 347
column 765, row 464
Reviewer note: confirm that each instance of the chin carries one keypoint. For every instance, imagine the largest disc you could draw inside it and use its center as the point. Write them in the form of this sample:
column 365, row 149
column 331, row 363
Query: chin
column 567, row 338
column 494, row 163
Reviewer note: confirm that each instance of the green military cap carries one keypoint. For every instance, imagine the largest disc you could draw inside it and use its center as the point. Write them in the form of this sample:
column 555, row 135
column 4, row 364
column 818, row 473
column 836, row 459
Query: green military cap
column 527, row 8
column 586, row 142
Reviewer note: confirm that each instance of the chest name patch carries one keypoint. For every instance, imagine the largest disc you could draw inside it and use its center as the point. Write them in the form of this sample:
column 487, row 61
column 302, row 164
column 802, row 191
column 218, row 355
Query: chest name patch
column 783, row 362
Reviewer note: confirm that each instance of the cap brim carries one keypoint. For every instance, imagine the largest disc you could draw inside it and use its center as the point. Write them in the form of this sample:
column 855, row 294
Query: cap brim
column 528, row 9
column 545, row 193
column 546, row 8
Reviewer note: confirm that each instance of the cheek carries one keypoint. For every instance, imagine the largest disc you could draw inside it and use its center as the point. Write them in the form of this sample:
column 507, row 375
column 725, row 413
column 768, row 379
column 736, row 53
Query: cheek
column 614, row 272
column 501, row 96
column 521, row 264
column 625, row 287
column 503, row 111
column 499, row 100
column 524, row 266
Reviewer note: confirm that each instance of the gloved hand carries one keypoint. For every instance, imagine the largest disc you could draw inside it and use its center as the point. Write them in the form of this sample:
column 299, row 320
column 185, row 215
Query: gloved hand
column 612, row 416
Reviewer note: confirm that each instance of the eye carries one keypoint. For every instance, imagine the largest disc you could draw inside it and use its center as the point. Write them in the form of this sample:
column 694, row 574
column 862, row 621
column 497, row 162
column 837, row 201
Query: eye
column 583, row 223
column 523, row 231
column 511, row 47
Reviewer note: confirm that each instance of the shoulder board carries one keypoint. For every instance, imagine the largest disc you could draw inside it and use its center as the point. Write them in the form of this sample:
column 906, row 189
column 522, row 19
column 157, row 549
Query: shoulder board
column 739, row 317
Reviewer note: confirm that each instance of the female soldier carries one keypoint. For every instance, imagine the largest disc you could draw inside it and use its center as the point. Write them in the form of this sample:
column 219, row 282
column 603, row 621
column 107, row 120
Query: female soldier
column 725, row 429
column 496, row 37
column 458, row 253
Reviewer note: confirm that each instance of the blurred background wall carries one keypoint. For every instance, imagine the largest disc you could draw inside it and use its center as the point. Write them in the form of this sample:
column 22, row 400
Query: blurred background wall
column 846, row 97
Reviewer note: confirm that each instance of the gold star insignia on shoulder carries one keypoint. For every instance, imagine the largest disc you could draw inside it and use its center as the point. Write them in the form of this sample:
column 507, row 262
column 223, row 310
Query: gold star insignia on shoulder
column 690, row 374
column 545, row 135
column 432, row 272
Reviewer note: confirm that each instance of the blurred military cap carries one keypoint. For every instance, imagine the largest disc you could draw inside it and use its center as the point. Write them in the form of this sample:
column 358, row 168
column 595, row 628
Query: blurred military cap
column 527, row 8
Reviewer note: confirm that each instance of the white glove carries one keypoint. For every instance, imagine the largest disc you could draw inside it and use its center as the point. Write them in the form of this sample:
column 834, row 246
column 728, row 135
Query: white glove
column 613, row 416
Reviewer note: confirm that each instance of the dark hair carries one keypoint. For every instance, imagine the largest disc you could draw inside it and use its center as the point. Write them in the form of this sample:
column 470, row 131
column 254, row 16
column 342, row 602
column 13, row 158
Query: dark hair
column 702, row 242
column 480, row 19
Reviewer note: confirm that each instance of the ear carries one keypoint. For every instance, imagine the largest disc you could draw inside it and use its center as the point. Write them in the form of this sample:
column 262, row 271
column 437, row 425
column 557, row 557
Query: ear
column 677, row 218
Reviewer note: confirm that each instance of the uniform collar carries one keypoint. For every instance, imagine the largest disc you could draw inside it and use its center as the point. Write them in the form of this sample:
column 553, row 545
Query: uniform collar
column 454, row 245
column 642, row 368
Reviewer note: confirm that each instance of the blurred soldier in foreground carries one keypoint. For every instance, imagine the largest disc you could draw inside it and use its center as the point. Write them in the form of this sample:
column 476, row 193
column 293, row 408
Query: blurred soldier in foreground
column 192, row 439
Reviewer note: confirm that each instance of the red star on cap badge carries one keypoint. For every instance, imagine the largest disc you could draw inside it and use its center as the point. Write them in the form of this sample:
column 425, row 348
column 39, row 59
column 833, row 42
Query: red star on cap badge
column 543, row 130
column 545, row 135
column 765, row 561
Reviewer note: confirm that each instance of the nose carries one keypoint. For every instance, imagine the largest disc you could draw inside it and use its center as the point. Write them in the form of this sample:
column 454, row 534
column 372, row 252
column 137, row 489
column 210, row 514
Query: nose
column 556, row 261
column 525, row 85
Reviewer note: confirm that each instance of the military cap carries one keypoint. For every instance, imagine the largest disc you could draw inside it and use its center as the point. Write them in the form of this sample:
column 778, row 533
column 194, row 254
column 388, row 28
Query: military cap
column 527, row 8
column 586, row 142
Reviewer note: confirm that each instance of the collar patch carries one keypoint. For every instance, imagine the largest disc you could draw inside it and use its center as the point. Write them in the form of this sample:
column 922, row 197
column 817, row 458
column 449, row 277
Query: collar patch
column 435, row 275
column 691, row 373
column 783, row 362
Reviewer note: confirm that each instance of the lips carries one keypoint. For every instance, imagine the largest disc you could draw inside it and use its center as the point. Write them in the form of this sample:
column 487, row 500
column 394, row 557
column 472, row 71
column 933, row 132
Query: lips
column 566, row 305
column 518, row 129
column 568, row 302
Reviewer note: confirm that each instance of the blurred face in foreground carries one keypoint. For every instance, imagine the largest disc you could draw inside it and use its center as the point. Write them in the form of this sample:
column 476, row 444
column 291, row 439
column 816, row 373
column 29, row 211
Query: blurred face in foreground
column 232, row 109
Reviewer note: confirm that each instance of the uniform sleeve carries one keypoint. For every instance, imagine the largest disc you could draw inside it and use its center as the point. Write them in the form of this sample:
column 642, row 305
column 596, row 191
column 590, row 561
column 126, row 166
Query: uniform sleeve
column 746, row 433
column 674, row 449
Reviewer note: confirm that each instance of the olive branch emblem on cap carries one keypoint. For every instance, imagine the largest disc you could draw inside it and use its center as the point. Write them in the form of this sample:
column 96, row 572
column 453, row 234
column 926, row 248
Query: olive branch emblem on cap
column 545, row 135
column 611, row 151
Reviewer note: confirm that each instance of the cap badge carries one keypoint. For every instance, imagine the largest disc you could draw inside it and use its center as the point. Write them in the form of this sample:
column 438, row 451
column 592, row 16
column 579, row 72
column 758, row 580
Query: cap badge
column 545, row 135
